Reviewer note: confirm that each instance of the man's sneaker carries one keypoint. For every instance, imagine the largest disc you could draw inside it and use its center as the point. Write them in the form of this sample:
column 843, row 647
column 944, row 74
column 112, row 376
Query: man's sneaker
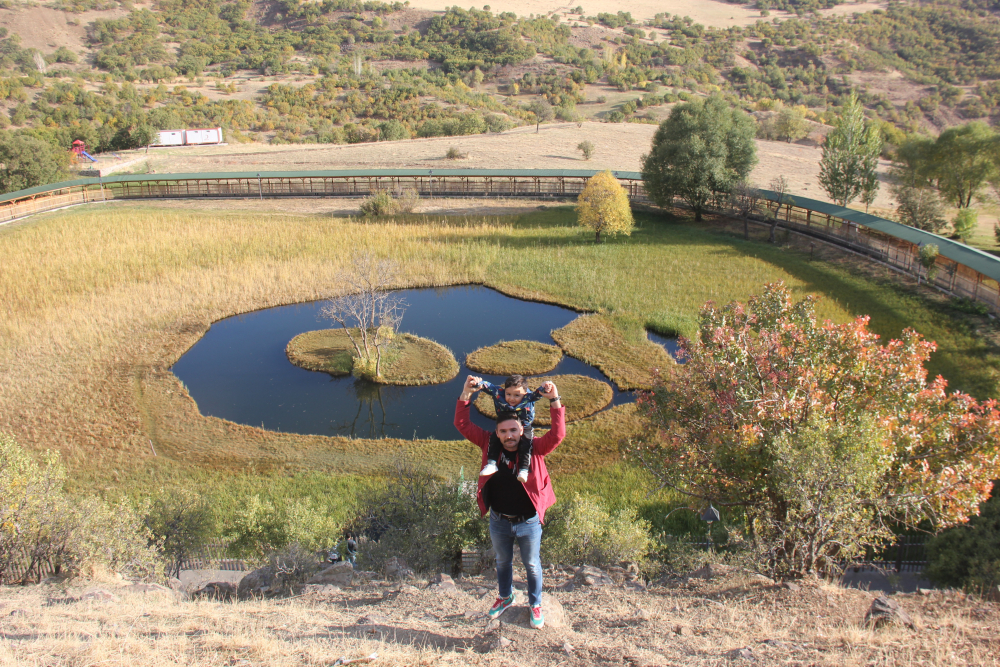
column 500, row 606
column 537, row 618
column 488, row 469
column 522, row 476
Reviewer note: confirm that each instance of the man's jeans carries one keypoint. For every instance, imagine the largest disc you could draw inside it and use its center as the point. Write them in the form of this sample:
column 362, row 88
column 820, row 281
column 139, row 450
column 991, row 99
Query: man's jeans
column 529, row 538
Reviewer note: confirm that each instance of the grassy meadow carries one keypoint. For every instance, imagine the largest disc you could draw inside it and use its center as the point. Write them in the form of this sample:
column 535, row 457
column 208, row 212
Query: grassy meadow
column 99, row 302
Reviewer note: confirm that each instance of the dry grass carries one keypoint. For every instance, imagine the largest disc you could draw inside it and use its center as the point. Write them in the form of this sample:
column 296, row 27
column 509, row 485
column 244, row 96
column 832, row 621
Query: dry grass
column 582, row 396
column 818, row 625
column 97, row 304
column 631, row 365
column 516, row 357
column 410, row 360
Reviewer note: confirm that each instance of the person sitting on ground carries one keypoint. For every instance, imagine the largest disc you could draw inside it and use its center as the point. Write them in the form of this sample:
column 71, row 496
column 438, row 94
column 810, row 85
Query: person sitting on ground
column 517, row 511
column 513, row 397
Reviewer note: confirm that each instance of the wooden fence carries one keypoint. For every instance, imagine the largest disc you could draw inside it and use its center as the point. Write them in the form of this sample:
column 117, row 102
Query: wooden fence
column 952, row 276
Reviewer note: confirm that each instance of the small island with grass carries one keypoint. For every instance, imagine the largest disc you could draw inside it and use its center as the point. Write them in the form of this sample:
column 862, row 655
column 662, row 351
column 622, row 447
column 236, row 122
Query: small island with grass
column 582, row 396
column 521, row 357
column 408, row 360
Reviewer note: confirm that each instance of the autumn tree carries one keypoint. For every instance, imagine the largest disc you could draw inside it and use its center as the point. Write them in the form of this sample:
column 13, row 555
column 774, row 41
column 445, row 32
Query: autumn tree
column 850, row 155
column 700, row 151
column 604, row 207
column 820, row 436
column 542, row 111
column 368, row 310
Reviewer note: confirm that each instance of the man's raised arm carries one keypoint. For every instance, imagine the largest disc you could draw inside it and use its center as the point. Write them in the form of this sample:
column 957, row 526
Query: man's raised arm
column 551, row 440
column 463, row 423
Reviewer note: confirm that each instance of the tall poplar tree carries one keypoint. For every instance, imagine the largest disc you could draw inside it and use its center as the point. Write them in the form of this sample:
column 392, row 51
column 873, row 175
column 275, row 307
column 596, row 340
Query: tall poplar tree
column 850, row 156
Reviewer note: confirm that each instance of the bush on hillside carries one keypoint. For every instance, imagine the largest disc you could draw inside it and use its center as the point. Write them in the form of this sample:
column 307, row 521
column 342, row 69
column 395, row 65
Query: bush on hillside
column 968, row 556
column 582, row 532
column 259, row 527
column 378, row 203
column 422, row 520
column 45, row 530
column 180, row 522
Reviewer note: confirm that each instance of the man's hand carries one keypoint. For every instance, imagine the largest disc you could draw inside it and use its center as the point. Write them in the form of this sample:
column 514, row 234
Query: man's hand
column 472, row 385
column 549, row 391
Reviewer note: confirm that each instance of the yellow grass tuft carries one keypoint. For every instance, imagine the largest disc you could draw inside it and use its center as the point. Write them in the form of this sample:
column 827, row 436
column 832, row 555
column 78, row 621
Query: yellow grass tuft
column 593, row 339
column 520, row 357
column 582, row 396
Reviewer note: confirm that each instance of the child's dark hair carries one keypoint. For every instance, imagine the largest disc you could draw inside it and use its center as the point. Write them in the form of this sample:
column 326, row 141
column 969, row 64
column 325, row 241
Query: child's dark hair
column 516, row 381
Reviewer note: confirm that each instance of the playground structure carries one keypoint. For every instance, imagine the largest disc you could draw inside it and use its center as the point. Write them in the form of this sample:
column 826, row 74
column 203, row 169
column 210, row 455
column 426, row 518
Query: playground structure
column 79, row 149
column 962, row 270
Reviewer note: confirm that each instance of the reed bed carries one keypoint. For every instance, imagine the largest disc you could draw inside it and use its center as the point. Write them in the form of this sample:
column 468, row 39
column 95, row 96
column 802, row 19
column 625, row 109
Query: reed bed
column 98, row 303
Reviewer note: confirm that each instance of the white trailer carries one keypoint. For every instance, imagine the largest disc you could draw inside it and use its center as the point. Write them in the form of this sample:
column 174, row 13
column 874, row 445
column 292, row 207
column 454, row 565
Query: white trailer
column 203, row 136
column 169, row 138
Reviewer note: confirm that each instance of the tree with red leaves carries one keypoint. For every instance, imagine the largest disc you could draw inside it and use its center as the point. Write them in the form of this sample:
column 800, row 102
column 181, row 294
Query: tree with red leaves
column 819, row 435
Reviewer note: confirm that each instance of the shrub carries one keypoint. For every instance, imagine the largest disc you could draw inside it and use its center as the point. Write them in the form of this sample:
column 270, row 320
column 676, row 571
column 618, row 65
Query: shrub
column 292, row 566
column 43, row 529
column 180, row 522
column 260, row 527
column 423, row 520
column 379, row 202
column 965, row 223
column 454, row 154
column 969, row 555
column 587, row 148
column 581, row 531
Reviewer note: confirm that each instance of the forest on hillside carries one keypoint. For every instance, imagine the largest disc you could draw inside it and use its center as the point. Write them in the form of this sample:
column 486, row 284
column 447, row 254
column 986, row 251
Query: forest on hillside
column 366, row 70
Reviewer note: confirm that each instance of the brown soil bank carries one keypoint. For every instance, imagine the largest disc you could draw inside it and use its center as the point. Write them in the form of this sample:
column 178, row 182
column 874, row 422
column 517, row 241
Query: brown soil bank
column 410, row 360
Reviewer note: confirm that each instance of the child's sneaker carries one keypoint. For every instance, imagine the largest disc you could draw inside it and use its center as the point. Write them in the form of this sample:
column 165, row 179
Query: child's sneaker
column 522, row 476
column 537, row 618
column 489, row 469
column 500, row 606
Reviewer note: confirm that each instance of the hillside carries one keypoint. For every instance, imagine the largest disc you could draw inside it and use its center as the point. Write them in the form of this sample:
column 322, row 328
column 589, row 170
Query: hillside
column 344, row 71
column 731, row 619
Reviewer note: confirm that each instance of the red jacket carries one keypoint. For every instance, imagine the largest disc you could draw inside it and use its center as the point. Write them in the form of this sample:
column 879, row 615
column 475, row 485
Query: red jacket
column 538, row 486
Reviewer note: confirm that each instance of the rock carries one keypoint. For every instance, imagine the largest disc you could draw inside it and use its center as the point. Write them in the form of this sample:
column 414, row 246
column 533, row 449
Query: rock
column 885, row 611
column 141, row 587
column 338, row 574
column 555, row 616
column 472, row 613
column 502, row 643
column 740, row 654
column 493, row 624
column 709, row 571
column 216, row 590
column 636, row 586
column 758, row 578
column 481, row 591
column 567, row 648
column 373, row 619
column 175, row 584
column 100, row 595
column 396, row 568
column 588, row 575
column 566, row 586
column 443, row 583
column 791, row 586
column 366, row 575
column 260, row 583
column 683, row 630
column 321, row 589
column 925, row 591
column 406, row 588
column 641, row 615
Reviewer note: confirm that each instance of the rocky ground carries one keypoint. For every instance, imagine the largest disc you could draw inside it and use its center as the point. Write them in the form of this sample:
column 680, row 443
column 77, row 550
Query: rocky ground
column 715, row 616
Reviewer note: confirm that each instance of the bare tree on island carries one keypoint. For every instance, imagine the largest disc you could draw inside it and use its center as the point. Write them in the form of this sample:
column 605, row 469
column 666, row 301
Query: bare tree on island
column 370, row 312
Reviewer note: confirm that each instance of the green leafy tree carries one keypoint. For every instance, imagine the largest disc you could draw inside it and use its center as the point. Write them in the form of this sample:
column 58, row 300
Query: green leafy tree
column 26, row 162
column 965, row 223
column 587, row 148
column 790, row 124
column 918, row 207
column 542, row 112
column 850, row 154
column 773, row 412
column 581, row 531
column 962, row 161
column 180, row 523
column 701, row 151
column 604, row 207
column 928, row 259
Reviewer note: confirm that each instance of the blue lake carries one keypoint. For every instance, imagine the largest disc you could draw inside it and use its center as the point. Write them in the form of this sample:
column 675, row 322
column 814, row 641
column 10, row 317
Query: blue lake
column 239, row 371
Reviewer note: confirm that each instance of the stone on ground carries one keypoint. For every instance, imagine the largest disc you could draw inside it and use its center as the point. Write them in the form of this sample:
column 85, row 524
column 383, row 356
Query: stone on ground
column 260, row 583
column 216, row 590
column 338, row 574
column 520, row 614
column 886, row 611
column 588, row 575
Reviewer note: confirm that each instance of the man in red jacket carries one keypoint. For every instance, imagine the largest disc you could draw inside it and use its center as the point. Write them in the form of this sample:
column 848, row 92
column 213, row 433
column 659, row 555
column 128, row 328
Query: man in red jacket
column 516, row 510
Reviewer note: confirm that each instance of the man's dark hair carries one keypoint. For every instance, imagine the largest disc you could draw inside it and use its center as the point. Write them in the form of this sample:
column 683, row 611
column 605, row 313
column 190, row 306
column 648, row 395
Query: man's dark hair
column 516, row 381
column 506, row 415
